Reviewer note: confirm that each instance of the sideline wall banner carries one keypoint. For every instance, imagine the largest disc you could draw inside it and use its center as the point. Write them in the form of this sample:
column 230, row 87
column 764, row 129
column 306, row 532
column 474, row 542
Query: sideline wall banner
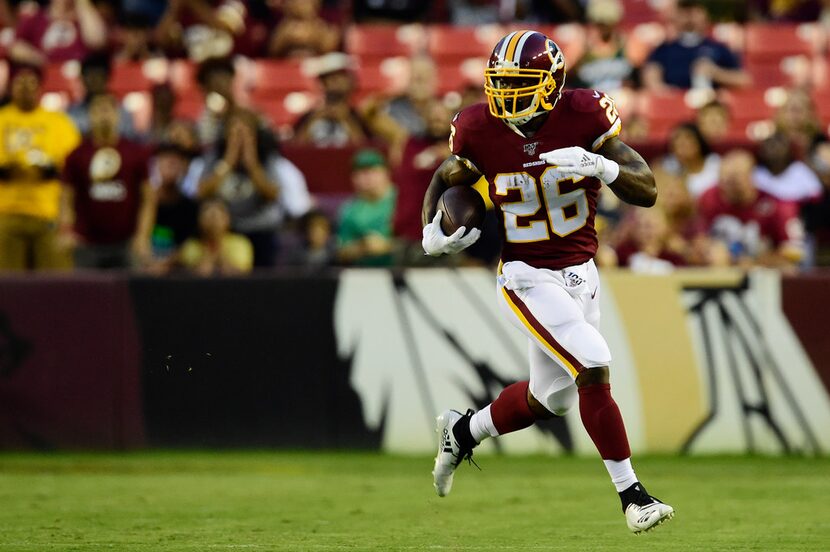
column 704, row 361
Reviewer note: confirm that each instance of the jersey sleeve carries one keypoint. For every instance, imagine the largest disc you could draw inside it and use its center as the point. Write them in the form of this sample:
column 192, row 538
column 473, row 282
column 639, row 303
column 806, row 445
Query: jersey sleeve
column 462, row 140
column 600, row 114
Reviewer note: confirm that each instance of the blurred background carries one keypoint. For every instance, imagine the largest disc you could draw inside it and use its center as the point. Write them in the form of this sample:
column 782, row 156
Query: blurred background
column 210, row 221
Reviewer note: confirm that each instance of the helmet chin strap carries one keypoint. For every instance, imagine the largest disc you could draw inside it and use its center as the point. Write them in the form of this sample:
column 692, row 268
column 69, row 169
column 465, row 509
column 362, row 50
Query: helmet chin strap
column 519, row 121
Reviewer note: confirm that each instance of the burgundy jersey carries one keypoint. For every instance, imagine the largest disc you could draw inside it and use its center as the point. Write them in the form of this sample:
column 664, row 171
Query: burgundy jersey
column 107, row 184
column 58, row 39
column 546, row 219
column 748, row 228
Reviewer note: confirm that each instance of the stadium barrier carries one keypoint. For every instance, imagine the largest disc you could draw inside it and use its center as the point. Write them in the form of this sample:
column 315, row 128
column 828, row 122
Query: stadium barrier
column 703, row 361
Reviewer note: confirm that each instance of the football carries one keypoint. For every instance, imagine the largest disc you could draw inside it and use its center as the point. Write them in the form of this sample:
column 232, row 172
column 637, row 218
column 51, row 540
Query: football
column 461, row 206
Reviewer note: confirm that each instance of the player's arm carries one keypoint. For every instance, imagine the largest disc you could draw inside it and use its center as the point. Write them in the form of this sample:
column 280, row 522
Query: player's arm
column 634, row 183
column 452, row 172
column 615, row 164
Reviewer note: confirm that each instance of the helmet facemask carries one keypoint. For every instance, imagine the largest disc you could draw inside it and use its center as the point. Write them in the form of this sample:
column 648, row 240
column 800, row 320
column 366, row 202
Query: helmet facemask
column 517, row 95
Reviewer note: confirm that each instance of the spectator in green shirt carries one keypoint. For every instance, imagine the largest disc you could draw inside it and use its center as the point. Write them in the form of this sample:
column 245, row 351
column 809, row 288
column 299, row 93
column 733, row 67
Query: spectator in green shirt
column 365, row 231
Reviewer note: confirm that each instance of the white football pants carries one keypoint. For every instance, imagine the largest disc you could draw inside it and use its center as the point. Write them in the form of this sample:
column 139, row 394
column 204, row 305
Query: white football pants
column 558, row 310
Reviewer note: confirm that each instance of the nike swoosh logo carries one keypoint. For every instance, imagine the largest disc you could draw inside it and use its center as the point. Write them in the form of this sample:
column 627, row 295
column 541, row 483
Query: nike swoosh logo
column 594, row 294
column 596, row 94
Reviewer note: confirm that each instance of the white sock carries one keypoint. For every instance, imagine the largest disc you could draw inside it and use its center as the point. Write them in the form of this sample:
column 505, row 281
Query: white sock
column 481, row 425
column 621, row 472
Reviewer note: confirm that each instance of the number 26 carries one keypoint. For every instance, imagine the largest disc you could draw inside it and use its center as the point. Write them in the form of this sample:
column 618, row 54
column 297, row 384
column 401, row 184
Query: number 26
column 610, row 109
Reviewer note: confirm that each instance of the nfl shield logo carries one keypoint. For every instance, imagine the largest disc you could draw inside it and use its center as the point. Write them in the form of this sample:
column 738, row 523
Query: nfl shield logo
column 530, row 148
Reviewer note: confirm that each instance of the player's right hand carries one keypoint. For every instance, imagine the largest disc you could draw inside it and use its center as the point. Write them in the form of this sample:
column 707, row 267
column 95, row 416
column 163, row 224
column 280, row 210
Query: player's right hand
column 435, row 243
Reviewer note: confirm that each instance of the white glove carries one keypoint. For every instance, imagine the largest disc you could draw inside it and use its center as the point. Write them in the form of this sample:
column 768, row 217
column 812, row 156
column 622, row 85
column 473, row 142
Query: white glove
column 576, row 161
column 435, row 243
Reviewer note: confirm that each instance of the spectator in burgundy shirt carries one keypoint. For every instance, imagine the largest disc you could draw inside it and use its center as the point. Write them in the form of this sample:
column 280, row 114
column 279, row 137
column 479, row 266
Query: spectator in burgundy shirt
column 757, row 228
column 62, row 31
column 108, row 197
column 202, row 29
column 421, row 156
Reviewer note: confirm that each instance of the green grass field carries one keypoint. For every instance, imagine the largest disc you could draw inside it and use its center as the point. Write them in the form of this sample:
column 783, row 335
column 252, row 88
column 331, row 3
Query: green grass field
column 191, row 501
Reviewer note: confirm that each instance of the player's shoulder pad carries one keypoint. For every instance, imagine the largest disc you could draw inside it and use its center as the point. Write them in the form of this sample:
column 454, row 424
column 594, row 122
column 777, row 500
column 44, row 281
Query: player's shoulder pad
column 584, row 100
column 472, row 117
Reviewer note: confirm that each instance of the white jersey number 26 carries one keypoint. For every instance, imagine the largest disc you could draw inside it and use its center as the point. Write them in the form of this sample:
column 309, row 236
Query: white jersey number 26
column 552, row 200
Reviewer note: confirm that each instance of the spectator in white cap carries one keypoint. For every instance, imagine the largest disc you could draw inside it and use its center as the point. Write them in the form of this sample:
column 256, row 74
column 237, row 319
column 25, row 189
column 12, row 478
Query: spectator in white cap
column 333, row 123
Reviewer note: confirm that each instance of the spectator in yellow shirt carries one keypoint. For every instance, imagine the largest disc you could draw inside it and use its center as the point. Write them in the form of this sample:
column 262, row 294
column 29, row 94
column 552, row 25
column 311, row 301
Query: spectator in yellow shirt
column 217, row 251
column 33, row 145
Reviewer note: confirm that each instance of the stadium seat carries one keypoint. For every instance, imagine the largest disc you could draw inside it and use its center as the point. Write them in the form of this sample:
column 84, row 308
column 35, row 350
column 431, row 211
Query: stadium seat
column 129, row 77
column 448, row 44
column 333, row 176
column 749, row 105
column 62, row 77
column 283, row 109
column 374, row 42
column 189, row 106
column 664, row 111
column 277, row 76
column 374, row 79
column 774, row 41
column 639, row 11
column 451, row 78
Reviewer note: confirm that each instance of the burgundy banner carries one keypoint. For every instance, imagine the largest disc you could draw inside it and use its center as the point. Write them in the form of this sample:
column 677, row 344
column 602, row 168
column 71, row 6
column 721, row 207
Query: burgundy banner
column 804, row 300
column 69, row 363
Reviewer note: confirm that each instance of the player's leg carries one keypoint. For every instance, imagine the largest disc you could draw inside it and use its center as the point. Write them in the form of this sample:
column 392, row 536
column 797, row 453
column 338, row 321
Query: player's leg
column 550, row 392
column 575, row 343
column 514, row 409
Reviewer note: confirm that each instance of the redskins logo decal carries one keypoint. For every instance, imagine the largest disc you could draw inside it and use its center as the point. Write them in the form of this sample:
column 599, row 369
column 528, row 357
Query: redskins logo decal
column 105, row 164
column 558, row 61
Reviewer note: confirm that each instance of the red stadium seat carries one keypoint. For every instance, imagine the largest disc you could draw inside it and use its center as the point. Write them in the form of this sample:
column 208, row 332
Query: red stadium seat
column 451, row 78
column 665, row 110
column 374, row 42
column 774, row 41
column 189, row 106
column 276, row 111
column 449, row 44
column 749, row 105
column 62, row 77
column 129, row 77
column 333, row 176
column 787, row 71
column 639, row 11
column 276, row 76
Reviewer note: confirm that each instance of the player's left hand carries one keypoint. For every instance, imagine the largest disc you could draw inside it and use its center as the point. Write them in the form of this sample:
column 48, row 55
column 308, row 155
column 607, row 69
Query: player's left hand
column 576, row 161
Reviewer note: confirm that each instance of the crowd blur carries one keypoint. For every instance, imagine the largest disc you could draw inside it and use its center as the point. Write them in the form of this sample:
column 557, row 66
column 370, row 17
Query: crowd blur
column 224, row 136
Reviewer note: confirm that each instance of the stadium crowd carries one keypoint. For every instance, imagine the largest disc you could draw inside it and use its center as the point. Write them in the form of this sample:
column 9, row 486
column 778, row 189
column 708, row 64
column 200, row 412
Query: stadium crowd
column 216, row 136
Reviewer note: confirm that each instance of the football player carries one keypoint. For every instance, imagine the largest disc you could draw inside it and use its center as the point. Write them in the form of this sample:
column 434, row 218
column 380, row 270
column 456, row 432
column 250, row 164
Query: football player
column 545, row 153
